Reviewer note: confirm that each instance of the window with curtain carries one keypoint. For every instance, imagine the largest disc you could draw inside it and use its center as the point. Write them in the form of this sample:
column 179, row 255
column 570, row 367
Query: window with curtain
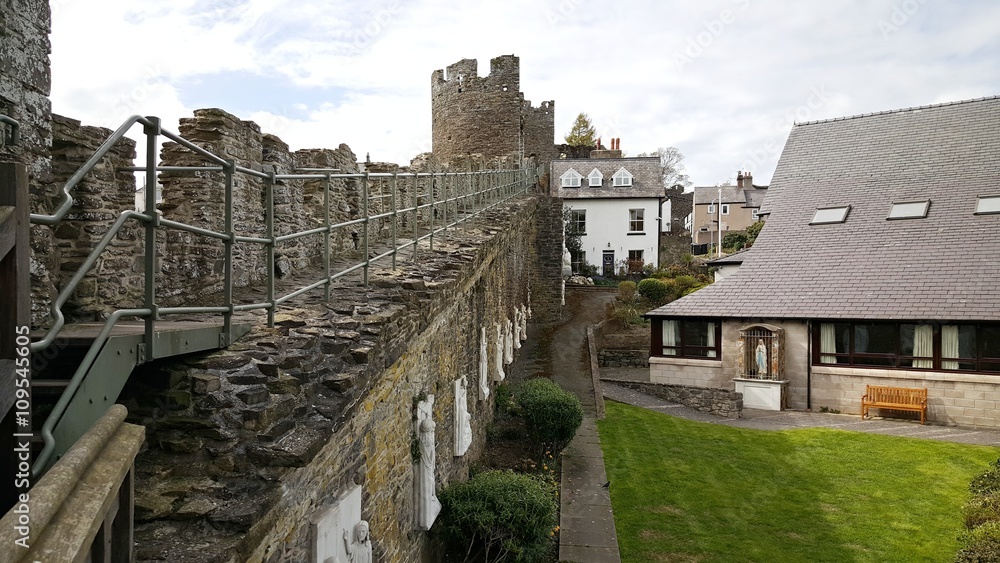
column 690, row 338
column 909, row 345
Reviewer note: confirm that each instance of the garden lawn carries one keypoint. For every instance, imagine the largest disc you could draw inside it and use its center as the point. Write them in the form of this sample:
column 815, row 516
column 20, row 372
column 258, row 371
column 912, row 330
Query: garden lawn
column 692, row 491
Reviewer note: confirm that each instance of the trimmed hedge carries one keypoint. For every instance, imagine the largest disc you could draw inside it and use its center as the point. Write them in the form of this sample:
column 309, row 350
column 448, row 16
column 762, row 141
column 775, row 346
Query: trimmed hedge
column 551, row 414
column 655, row 291
column 498, row 516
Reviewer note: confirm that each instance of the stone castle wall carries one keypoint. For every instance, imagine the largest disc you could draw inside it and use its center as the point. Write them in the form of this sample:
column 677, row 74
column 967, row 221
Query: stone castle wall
column 248, row 445
column 487, row 115
column 25, row 82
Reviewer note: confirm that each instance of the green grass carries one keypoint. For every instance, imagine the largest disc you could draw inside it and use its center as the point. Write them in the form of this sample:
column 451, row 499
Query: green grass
column 690, row 491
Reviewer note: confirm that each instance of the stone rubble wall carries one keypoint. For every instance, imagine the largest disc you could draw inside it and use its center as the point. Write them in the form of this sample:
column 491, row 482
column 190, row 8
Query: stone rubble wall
column 249, row 444
column 98, row 200
column 610, row 358
column 25, row 82
column 721, row 402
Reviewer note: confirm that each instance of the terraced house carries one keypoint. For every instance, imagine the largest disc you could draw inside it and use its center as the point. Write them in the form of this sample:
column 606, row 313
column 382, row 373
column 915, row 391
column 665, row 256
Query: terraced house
column 878, row 264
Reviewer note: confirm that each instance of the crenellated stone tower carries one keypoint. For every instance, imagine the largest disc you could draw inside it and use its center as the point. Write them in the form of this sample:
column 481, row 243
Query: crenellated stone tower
column 488, row 115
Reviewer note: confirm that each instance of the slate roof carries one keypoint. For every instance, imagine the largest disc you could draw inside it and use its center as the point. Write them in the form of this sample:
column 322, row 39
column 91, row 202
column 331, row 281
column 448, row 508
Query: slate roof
column 647, row 179
column 942, row 267
column 704, row 195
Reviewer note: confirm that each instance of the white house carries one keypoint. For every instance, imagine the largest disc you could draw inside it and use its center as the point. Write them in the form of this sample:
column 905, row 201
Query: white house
column 615, row 205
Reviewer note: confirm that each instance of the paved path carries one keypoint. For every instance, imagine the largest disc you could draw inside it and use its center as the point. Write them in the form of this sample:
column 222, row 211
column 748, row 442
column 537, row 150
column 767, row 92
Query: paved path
column 586, row 523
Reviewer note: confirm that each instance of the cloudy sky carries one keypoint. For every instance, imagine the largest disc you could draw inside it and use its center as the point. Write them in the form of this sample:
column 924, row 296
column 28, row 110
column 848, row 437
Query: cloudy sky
column 721, row 80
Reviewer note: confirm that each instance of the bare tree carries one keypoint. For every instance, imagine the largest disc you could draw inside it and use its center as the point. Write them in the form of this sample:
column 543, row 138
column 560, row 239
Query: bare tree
column 672, row 162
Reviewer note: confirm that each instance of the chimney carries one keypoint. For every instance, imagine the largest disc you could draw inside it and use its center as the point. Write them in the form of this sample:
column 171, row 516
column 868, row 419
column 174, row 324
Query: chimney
column 748, row 181
column 598, row 143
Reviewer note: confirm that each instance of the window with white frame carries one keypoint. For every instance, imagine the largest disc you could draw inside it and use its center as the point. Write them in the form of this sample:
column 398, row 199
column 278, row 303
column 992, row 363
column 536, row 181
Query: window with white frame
column 571, row 179
column 725, row 209
column 755, row 214
column 635, row 220
column 711, row 209
column 827, row 215
column 595, row 179
column 622, row 178
column 578, row 221
column 988, row 204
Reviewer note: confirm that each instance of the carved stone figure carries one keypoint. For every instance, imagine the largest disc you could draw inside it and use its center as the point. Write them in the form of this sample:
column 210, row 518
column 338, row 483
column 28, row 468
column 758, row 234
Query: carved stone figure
column 463, row 420
column 358, row 544
column 508, row 342
column 525, row 313
column 484, row 366
column 567, row 265
column 498, row 354
column 761, row 356
column 427, row 504
column 516, row 331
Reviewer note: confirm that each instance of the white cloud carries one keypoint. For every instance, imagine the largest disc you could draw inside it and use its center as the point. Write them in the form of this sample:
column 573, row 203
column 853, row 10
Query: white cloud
column 747, row 67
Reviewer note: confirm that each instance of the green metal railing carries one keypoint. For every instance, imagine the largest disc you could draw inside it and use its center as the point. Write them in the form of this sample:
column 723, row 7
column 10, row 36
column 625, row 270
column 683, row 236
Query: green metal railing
column 465, row 196
column 13, row 135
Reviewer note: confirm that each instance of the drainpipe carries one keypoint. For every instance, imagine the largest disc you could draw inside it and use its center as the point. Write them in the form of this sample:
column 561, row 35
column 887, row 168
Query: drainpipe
column 809, row 363
column 718, row 227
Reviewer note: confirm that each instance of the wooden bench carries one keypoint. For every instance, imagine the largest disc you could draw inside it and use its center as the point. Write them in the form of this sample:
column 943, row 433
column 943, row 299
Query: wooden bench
column 895, row 398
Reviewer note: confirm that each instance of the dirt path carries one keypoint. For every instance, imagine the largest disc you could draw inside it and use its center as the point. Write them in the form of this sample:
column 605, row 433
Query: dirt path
column 568, row 363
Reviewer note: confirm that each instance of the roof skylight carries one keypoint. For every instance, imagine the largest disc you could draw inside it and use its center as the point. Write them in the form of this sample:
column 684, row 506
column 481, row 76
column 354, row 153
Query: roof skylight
column 825, row 215
column 909, row 210
column 988, row 204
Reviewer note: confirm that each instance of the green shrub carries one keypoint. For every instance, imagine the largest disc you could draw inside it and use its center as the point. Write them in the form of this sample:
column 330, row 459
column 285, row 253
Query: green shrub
column 685, row 282
column 504, row 402
column 982, row 544
column 987, row 482
column 498, row 516
column 626, row 292
column 981, row 509
column 654, row 290
column 551, row 414
column 734, row 241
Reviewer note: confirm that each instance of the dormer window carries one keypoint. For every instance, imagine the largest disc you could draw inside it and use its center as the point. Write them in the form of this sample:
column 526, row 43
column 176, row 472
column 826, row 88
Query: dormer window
column 571, row 179
column 595, row 179
column 988, row 205
column 827, row 215
column 909, row 210
column 622, row 178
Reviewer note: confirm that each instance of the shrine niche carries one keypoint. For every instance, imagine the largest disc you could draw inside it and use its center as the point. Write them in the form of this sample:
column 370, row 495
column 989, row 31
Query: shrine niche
column 760, row 367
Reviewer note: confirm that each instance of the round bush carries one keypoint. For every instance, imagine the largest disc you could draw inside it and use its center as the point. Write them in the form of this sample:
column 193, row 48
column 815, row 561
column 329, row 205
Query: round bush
column 982, row 544
column 626, row 291
column 981, row 509
column 498, row 516
column 655, row 291
column 551, row 414
column 987, row 482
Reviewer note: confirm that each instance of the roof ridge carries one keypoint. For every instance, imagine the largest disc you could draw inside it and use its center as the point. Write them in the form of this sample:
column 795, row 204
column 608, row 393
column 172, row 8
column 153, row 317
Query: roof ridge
column 900, row 110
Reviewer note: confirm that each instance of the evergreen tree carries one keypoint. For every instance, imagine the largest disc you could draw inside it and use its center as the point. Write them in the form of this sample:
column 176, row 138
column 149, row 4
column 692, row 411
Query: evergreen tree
column 582, row 133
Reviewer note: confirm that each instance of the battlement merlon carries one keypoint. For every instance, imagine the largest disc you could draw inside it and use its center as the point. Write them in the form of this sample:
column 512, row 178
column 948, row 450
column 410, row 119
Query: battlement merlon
column 545, row 107
column 505, row 74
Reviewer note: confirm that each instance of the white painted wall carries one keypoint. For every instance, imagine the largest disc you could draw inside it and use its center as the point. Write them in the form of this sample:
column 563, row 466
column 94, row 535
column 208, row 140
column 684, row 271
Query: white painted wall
column 608, row 224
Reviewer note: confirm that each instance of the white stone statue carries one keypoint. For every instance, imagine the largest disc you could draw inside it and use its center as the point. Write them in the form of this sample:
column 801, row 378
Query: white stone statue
column 523, row 332
column 567, row 265
column 498, row 354
column 463, row 420
column 427, row 504
column 517, row 328
column 761, row 356
column 358, row 544
column 484, row 366
column 508, row 342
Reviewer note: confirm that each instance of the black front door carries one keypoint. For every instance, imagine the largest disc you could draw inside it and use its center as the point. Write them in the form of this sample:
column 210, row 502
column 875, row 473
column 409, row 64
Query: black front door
column 608, row 264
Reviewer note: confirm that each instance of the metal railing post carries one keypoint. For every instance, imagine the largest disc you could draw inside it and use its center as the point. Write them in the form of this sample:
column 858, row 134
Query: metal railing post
column 395, row 219
column 269, row 235
column 432, row 186
column 416, row 215
column 227, row 320
column 326, row 237
column 364, row 199
column 152, row 132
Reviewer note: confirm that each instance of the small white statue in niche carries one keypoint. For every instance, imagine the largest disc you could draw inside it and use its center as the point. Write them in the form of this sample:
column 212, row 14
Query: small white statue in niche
column 761, row 356
column 523, row 332
column 508, row 342
column 484, row 366
column 427, row 504
column 463, row 420
column 498, row 354
column 358, row 544
column 516, row 335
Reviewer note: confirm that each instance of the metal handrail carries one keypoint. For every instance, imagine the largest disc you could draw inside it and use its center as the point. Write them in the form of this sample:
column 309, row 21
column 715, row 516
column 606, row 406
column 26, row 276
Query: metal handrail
column 502, row 185
column 15, row 128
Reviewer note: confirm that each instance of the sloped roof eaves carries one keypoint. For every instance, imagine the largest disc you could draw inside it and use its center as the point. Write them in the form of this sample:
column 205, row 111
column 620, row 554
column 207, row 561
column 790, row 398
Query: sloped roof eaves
column 705, row 195
column 868, row 267
column 647, row 180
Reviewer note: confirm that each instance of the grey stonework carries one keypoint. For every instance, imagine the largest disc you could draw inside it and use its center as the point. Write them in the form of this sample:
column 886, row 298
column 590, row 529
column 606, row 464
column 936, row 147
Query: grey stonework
column 721, row 402
column 609, row 358
column 245, row 444
column 488, row 115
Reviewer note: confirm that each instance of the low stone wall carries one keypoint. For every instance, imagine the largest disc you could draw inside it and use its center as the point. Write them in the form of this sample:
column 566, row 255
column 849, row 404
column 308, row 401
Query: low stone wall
column 623, row 358
column 721, row 402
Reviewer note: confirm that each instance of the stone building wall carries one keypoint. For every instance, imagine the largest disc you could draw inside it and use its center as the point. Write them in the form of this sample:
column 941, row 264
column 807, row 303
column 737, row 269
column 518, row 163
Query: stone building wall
column 98, row 200
column 343, row 194
column 248, row 445
column 487, row 115
column 25, row 82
